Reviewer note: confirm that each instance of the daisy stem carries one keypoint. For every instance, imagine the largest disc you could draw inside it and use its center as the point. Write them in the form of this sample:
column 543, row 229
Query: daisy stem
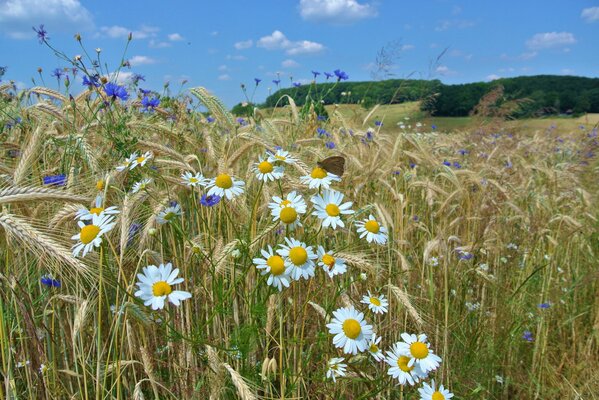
column 99, row 325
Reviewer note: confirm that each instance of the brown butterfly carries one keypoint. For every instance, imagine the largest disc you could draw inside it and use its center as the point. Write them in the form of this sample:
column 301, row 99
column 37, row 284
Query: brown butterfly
column 334, row 165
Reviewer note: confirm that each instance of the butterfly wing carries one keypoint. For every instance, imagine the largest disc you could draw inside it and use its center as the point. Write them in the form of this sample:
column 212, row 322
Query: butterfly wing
column 334, row 165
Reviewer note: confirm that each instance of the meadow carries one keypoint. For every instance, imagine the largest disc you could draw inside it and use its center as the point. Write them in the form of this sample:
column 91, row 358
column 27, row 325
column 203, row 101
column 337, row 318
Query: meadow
column 150, row 250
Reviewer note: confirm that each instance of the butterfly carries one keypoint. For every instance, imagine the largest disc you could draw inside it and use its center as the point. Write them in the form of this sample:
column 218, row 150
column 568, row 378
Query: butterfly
column 334, row 165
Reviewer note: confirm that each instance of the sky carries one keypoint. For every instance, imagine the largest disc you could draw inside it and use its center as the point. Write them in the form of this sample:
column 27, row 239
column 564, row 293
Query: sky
column 221, row 44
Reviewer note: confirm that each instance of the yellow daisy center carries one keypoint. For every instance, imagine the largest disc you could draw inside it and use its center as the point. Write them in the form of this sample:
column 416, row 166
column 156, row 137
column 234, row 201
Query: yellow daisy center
column 89, row 233
column 372, row 226
column 193, row 180
column 298, row 255
column 438, row 396
column 328, row 260
column 332, row 210
column 161, row 288
column 276, row 264
column 169, row 215
column 265, row 167
column 402, row 363
column 375, row 301
column 352, row 328
column 96, row 210
column 223, row 181
column 288, row 215
column 318, row 173
column 141, row 159
column 100, row 185
column 285, row 203
column 373, row 348
column 419, row 350
column 282, row 158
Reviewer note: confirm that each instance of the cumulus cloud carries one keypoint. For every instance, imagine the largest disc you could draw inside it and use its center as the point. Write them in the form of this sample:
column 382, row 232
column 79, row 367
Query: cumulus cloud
column 175, row 37
column 590, row 14
column 236, row 57
column 550, row 39
column 117, row 32
column 336, row 11
column 244, row 44
column 289, row 64
column 141, row 60
column 444, row 70
column 157, row 44
column 493, row 77
column 278, row 41
column 224, row 77
column 18, row 16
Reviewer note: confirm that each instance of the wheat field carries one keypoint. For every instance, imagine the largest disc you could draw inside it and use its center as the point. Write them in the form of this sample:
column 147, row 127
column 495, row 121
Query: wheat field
column 483, row 240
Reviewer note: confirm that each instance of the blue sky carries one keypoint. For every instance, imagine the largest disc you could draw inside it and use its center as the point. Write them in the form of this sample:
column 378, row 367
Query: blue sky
column 221, row 44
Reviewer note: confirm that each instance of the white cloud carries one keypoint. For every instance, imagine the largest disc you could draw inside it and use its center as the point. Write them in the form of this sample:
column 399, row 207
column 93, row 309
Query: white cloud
column 224, row 77
column 444, row 70
column 567, row 71
column 278, row 41
column 590, row 14
column 236, row 57
column 550, row 39
column 122, row 78
column 175, row 37
column 214, row 33
column 223, row 68
column 116, row 32
column 407, row 47
column 493, row 77
column 244, row 44
column 289, row 64
column 336, row 11
column 448, row 24
column 18, row 16
column 157, row 44
column 141, row 60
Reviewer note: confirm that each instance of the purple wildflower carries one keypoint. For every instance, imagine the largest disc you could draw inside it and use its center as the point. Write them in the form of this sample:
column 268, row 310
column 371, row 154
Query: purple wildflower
column 257, row 80
column 378, row 123
column 328, row 75
column 527, row 335
column 55, row 180
column 296, row 84
column 341, row 75
column 91, row 81
column 276, row 81
column 150, row 104
column 42, row 34
column 48, row 280
column 544, row 305
column 315, row 73
column 446, row 163
column 116, row 91
column 209, row 201
column 330, row 145
column 210, row 119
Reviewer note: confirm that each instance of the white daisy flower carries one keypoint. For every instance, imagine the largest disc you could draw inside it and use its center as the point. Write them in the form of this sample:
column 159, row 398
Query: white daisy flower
column 417, row 348
column 141, row 160
column 298, row 258
column 84, row 214
column 281, row 156
column 128, row 161
column 376, row 304
column 90, row 235
column 336, row 368
column 373, row 231
column 329, row 208
column 225, row 185
column 287, row 210
column 266, row 171
column 373, row 348
column 319, row 178
column 350, row 330
column 428, row 392
column 156, row 286
column 141, row 185
column 330, row 264
column 399, row 368
column 194, row 180
column 275, row 265
column 169, row 213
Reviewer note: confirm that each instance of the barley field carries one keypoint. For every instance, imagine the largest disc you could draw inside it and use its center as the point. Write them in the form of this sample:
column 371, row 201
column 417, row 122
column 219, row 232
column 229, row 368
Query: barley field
column 173, row 251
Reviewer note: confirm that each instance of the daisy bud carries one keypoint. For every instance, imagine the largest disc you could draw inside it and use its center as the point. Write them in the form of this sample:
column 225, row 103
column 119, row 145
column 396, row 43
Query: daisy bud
column 78, row 57
column 130, row 36
column 77, row 37
column 98, row 50
column 152, row 231
column 363, row 276
column 196, row 249
column 236, row 253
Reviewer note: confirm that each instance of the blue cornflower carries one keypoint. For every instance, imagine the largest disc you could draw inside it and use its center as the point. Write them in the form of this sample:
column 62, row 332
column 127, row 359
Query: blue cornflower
column 145, row 92
column 74, row 71
column 48, row 280
column 544, row 305
column 446, row 163
column 134, row 228
column 209, row 201
column 2, row 71
column 297, row 84
column 369, row 135
column 136, row 78
column 412, row 165
column 210, row 119
column 378, row 123
column 279, row 230
column 276, row 81
column 341, row 76
column 457, row 165
column 14, row 153
column 91, row 81
column 315, row 73
column 330, row 145
column 581, row 127
column 150, row 104
column 321, row 117
column 328, row 75
column 527, row 335
column 322, row 132
column 463, row 151
column 58, row 73
column 42, row 34
column 464, row 255
column 116, row 91
column 241, row 121
column 397, row 172
column 278, row 148
column 433, row 127
column 415, row 218
column 55, row 180
column 257, row 80
column 508, row 164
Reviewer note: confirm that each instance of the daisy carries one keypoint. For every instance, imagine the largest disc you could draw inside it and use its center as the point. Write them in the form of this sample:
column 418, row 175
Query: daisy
column 292, row 200
column 336, row 368
column 329, row 207
column 417, row 349
column 266, row 171
column 372, row 230
column 128, row 161
column 376, row 304
column 141, row 160
column 279, row 273
column 298, row 258
column 350, row 330
column 141, row 185
column 331, row 265
column 167, row 215
column 399, row 368
column 84, row 214
column 428, row 392
column 281, row 156
column 225, row 185
column 193, row 180
column 373, row 348
column 319, row 178
column 155, row 286
column 90, row 235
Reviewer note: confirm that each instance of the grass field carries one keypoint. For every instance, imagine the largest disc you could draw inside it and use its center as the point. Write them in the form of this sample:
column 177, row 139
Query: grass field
column 483, row 238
